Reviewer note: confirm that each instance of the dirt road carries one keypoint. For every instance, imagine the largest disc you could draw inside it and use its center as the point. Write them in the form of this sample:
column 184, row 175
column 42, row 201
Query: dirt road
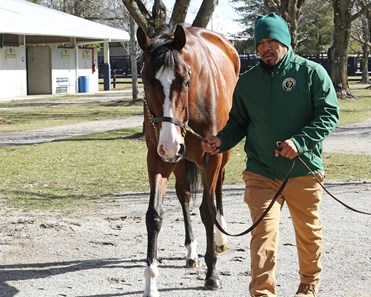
column 101, row 252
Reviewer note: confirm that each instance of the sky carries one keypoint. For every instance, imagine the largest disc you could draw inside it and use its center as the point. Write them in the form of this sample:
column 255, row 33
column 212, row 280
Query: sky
column 223, row 17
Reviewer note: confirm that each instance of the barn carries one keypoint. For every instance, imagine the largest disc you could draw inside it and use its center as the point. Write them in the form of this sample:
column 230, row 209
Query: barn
column 45, row 51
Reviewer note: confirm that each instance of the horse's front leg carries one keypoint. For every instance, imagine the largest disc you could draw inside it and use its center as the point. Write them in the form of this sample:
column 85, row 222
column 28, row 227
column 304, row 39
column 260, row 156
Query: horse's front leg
column 210, row 179
column 183, row 190
column 154, row 219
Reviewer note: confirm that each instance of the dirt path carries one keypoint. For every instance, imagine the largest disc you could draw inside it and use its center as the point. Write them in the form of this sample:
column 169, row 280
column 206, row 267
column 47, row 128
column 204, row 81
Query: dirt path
column 101, row 252
column 355, row 138
column 66, row 131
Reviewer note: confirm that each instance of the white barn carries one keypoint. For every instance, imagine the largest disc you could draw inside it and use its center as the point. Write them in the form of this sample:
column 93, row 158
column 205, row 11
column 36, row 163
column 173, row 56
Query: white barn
column 45, row 51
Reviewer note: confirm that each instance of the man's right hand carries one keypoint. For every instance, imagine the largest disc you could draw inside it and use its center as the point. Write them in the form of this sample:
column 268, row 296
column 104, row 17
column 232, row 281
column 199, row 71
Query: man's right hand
column 211, row 144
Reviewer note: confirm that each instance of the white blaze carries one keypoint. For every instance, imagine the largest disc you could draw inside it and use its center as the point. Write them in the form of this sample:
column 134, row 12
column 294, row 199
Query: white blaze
column 169, row 139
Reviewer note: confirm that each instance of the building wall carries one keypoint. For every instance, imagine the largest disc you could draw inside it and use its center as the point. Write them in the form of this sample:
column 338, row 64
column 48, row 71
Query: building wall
column 13, row 75
column 88, row 58
column 46, row 70
column 63, row 68
column 63, row 72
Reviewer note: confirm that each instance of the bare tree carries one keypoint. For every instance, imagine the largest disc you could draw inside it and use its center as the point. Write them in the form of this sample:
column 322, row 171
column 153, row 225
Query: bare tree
column 344, row 14
column 151, row 21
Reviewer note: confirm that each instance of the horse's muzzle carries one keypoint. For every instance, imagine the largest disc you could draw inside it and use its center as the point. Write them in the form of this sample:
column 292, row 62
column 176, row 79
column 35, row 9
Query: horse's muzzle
column 174, row 159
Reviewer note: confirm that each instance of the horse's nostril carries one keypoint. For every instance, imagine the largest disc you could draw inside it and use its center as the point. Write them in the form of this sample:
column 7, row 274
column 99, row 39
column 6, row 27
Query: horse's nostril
column 181, row 149
column 161, row 150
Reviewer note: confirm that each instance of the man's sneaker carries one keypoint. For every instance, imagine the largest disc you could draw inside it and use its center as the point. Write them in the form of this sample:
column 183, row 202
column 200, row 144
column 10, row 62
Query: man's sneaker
column 306, row 290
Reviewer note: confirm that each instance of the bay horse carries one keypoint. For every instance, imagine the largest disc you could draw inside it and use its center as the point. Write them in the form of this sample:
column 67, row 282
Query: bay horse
column 189, row 75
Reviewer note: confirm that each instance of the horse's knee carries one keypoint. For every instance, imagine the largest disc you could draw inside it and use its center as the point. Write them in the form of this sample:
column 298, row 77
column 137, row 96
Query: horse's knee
column 153, row 220
column 151, row 273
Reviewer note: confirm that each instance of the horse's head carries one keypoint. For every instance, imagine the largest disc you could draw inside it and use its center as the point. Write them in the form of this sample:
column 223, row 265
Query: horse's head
column 166, row 77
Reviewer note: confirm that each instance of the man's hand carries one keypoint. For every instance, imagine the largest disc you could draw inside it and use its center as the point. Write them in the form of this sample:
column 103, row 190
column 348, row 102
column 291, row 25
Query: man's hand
column 286, row 149
column 211, row 145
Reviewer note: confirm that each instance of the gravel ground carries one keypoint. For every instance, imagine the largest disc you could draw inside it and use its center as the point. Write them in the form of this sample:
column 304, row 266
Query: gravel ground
column 101, row 252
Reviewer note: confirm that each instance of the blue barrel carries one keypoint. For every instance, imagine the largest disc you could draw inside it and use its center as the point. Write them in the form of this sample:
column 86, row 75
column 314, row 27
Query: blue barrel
column 83, row 84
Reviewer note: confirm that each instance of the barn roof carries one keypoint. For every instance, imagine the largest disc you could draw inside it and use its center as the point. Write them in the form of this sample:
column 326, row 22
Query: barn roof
column 40, row 24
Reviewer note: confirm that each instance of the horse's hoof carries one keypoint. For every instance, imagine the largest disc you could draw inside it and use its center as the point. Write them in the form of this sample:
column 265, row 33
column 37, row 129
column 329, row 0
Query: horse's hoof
column 221, row 248
column 192, row 263
column 212, row 284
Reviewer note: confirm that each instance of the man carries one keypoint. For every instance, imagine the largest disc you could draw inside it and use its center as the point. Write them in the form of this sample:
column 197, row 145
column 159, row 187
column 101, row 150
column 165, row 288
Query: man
column 289, row 100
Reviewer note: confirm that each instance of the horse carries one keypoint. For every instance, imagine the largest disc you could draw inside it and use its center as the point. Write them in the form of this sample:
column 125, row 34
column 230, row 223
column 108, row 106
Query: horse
column 189, row 75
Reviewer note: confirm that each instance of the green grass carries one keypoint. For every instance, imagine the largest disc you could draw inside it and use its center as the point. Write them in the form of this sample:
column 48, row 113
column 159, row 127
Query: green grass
column 352, row 111
column 20, row 116
column 68, row 174
column 72, row 174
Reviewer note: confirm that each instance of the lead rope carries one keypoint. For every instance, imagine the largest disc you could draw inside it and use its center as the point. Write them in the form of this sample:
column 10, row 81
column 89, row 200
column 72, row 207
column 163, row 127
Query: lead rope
column 275, row 197
column 328, row 192
column 257, row 222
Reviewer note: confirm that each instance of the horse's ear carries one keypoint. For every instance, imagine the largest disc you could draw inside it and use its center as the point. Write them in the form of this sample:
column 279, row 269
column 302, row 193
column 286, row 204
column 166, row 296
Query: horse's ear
column 143, row 39
column 179, row 38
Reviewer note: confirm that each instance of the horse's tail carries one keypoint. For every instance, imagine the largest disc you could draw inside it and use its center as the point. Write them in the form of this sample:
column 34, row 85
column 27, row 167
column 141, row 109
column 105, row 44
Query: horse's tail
column 192, row 176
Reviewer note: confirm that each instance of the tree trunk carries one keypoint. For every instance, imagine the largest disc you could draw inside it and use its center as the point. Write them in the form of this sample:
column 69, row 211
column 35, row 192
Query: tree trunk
column 338, row 52
column 366, row 47
column 364, row 64
column 179, row 13
column 133, row 59
column 205, row 13
column 151, row 22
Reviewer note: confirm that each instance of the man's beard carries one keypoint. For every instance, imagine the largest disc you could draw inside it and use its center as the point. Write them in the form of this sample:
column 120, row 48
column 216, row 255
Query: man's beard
column 269, row 67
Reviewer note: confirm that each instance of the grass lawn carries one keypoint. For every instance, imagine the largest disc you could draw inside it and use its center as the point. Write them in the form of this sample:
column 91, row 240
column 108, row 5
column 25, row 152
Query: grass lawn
column 69, row 174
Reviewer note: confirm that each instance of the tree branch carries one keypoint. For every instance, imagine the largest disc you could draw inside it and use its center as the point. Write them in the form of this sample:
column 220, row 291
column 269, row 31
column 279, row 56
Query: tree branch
column 361, row 12
column 179, row 13
column 140, row 14
column 205, row 13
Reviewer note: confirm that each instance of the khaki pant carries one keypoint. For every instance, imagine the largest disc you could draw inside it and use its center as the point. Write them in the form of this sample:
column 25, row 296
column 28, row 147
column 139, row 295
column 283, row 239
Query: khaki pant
column 303, row 197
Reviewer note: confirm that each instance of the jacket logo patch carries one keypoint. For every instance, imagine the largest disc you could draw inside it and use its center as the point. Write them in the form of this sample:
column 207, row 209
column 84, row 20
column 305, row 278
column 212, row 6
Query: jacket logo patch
column 288, row 84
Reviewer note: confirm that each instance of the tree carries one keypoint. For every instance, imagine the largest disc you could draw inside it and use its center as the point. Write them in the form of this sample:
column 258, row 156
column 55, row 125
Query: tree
column 361, row 32
column 150, row 22
column 248, row 12
column 345, row 13
column 312, row 19
column 315, row 27
column 290, row 11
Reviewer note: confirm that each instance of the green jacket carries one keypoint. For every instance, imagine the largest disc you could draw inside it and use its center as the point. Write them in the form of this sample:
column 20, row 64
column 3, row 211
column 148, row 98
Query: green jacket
column 296, row 101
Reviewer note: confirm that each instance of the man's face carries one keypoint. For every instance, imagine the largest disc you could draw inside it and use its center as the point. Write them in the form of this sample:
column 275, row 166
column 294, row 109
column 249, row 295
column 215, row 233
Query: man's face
column 271, row 51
